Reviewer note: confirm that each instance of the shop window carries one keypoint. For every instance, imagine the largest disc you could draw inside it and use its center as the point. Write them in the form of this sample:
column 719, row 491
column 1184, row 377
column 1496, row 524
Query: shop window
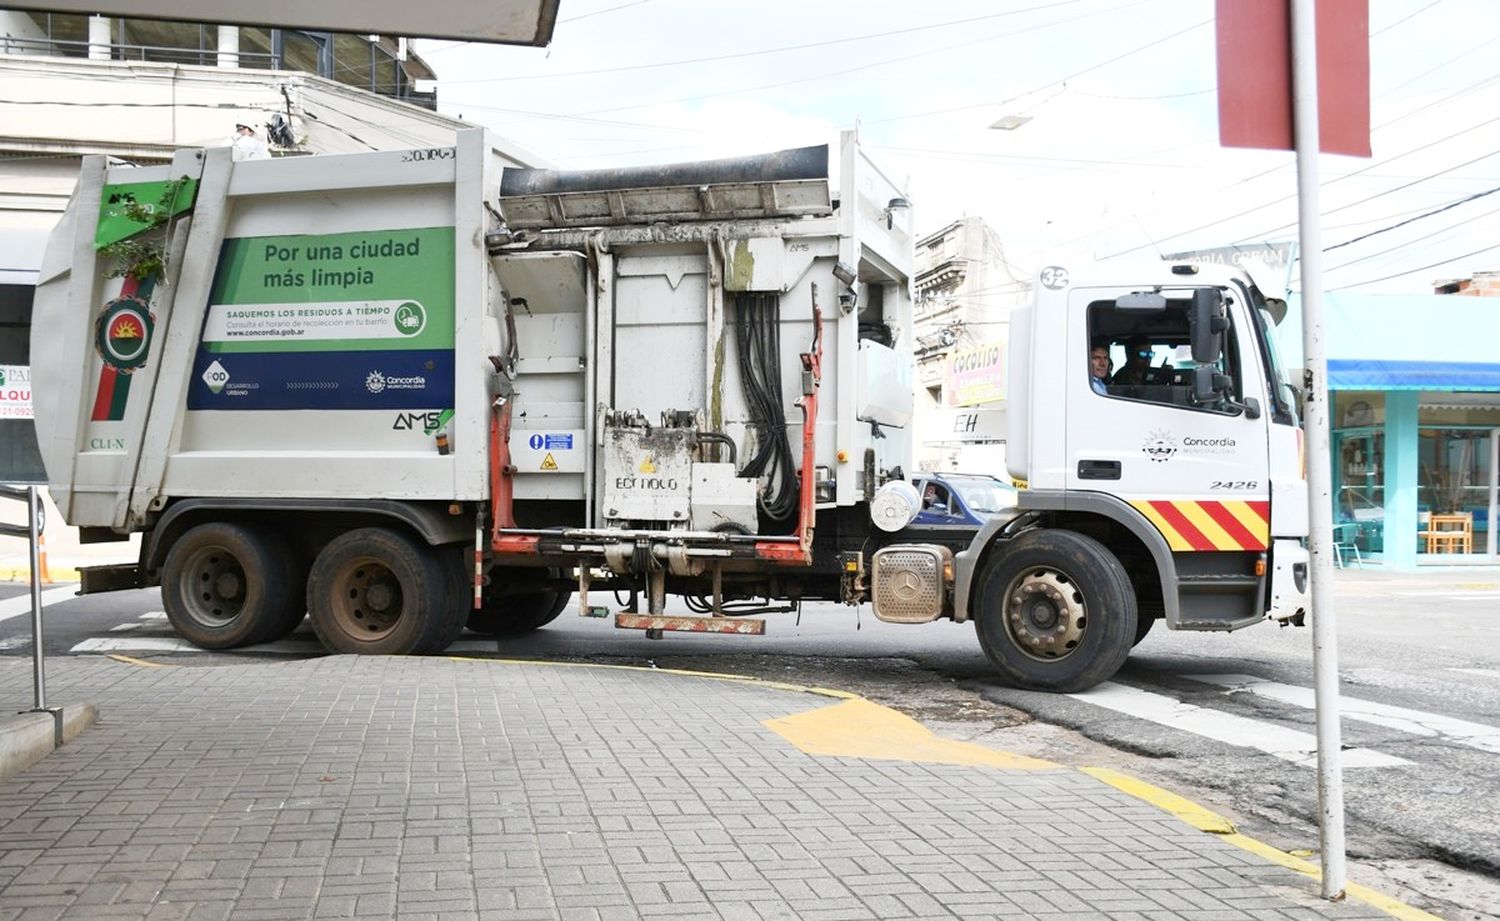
column 1453, row 485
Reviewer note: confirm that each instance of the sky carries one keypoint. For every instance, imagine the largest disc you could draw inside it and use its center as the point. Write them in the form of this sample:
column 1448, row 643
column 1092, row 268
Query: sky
column 1120, row 156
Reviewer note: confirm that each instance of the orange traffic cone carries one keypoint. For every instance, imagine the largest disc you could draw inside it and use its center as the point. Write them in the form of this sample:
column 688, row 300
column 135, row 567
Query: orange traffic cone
column 43, row 576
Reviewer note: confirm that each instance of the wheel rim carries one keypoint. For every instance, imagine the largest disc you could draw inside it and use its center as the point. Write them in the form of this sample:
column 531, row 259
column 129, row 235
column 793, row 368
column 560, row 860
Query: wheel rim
column 367, row 599
column 1045, row 617
column 213, row 587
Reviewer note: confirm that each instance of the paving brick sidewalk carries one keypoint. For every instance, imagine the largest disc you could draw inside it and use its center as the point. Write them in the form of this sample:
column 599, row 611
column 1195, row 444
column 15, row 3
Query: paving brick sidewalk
column 444, row 790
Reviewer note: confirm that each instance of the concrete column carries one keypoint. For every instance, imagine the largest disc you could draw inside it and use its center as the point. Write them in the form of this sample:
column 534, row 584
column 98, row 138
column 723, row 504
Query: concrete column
column 1401, row 479
column 99, row 39
column 229, row 46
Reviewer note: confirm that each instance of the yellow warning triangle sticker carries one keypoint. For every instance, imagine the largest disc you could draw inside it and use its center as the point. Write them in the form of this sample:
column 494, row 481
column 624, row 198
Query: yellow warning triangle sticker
column 548, row 463
column 648, row 465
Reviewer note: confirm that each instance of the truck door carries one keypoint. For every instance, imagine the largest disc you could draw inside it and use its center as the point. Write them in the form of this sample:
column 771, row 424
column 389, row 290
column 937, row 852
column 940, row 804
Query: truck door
column 1196, row 468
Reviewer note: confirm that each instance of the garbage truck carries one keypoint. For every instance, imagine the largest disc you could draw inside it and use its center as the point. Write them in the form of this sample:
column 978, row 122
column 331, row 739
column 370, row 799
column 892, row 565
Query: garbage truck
column 409, row 393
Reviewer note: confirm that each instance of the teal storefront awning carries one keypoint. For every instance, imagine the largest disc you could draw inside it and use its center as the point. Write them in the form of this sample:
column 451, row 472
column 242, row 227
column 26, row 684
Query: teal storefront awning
column 1379, row 374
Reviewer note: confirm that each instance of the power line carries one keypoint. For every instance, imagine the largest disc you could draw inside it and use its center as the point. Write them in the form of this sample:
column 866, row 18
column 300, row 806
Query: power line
column 1044, row 86
column 1370, row 198
column 966, row 155
column 714, row 59
column 611, row 9
column 1375, row 233
column 1398, row 22
column 1405, row 244
column 1324, row 184
column 849, row 70
column 1371, row 281
column 1473, row 87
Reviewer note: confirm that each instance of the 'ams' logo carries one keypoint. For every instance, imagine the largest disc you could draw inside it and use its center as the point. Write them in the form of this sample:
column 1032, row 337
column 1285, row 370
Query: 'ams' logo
column 410, row 422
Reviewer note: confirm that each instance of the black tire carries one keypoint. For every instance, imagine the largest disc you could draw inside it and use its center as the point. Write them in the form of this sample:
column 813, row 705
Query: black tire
column 229, row 585
column 458, row 562
column 377, row 591
column 1143, row 626
column 519, row 613
column 1076, row 616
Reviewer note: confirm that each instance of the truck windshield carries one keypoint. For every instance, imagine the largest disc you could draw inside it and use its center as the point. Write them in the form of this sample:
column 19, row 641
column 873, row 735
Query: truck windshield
column 1281, row 390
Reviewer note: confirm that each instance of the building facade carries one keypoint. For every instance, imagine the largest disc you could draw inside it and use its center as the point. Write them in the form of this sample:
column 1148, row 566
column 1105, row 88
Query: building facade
column 1415, row 426
column 965, row 290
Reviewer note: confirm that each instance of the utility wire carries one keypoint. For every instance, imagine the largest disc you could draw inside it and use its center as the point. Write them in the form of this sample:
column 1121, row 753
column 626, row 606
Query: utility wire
column 1474, row 87
column 1369, row 198
column 849, row 70
column 612, row 9
column 714, row 59
column 1371, row 281
column 1398, row 22
column 1239, row 214
column 1376, row 233
column 1044, row 86
column 1406, row 244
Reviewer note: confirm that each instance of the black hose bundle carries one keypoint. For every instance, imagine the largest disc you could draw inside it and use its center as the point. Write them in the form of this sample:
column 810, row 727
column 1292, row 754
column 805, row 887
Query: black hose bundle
column 758, row 334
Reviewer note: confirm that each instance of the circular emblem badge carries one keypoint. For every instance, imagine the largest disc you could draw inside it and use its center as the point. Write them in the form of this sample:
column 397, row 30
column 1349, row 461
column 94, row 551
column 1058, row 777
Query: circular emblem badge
column 123, row 334
column 411, row 318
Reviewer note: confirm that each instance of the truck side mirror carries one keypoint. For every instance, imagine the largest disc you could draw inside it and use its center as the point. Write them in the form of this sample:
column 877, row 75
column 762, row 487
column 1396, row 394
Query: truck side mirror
column 1206, row 325
column 1210, row 384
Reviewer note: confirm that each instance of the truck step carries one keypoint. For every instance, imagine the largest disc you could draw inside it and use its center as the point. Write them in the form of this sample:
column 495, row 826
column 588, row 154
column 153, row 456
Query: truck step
column 655, row 625
column 112, row 577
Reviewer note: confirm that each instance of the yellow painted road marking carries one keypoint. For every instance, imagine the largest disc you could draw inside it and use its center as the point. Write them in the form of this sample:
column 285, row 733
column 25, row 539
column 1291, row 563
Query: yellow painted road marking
column 860, row 728
column 23, row 574
column 1184, row 809
column 1206, row 820
column 131, row 660
column 720, row 676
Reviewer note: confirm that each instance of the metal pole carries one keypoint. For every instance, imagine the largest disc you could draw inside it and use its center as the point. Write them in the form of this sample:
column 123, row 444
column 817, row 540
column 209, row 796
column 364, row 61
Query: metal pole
column 34, row 521
column 1319, row 474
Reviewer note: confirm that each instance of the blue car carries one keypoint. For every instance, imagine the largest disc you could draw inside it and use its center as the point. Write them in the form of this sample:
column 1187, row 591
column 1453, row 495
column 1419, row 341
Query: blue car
column 961, row 498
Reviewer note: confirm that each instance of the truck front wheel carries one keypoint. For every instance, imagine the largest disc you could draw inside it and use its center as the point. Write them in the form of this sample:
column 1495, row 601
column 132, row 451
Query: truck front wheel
column 1055, row 611
column 228, row 585
column 377, row 591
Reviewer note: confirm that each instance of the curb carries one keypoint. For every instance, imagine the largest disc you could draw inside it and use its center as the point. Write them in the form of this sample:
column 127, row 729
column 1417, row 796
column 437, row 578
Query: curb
column 27, row 738
column 56, row 575
column 1209, row 822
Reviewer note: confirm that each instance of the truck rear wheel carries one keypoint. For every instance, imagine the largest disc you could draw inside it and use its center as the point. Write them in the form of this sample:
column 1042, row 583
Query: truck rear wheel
column 515, row 614
column 377, row 591
column 1055, row 611
column 227, row 585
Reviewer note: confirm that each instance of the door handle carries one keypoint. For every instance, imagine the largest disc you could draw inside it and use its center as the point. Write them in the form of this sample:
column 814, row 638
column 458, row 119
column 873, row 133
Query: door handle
column 1098, row 470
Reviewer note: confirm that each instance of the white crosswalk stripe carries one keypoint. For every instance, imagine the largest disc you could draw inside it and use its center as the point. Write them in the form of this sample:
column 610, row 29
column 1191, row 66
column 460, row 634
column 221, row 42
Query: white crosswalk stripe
column 21, row 604
column 1230, row 728
column 1415, row 722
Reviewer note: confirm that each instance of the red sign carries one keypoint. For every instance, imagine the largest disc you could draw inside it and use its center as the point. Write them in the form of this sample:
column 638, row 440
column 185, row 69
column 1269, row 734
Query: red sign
column 1255, row 75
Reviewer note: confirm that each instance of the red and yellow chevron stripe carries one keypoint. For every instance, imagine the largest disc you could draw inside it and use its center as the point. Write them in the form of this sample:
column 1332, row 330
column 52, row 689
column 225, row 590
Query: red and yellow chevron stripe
column 1209, row 524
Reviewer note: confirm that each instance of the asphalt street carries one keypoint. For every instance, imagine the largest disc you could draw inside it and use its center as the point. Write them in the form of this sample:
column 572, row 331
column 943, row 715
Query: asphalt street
column 1225, row 719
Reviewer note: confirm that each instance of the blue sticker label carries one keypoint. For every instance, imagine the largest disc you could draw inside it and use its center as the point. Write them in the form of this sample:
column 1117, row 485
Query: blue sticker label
column 535, row 441
column 562, row 442
column 323, row 380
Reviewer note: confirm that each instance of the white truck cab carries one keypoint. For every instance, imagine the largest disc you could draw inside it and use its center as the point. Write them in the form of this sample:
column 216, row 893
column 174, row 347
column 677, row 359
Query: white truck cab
column 1172, row 487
